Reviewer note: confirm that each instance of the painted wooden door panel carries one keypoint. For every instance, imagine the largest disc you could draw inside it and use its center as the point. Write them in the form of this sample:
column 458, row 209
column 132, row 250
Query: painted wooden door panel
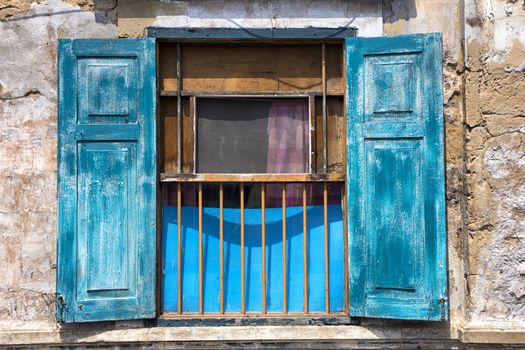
column 396, row 198
column 107, row 180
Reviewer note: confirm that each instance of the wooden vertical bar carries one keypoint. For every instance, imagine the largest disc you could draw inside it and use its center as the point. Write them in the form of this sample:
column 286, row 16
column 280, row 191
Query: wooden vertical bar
column 189, row 158
column 345, row 250
column 221, row 249
column 263, row 244
column 242, row 249
column 323, row 73
column 285, row 308
column 200, row 249
column 313, row 143
column 179, row 111
column 345, row 209
column 326, row 264
column 179, row 249
column 305, row 251
column 193, row 103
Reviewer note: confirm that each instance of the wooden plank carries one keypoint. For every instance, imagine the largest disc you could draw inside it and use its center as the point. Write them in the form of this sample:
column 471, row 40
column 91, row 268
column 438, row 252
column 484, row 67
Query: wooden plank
column 267, row 316
column 188, row 134
column 167, row 66
column 410, row 171
column 335, row 129
column 313, row 142
column 249, row 67
column 169, row 143
column 221, row 242
column 247, row 34
column 179, row 248
column 345, row 250
column 336, row 134
column 285, row 308
column 263, row 246
column 305, row 250
column 242, row 247
column 330, row 177
column 126, row 259
column 179, row 111
column 201, row 308
column 334, row 69
column 298, row 93
column 323, row 131
column 326, row 252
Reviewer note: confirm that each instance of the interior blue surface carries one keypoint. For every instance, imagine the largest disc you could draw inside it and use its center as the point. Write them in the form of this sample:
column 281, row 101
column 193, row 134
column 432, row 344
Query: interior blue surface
column 253, row 254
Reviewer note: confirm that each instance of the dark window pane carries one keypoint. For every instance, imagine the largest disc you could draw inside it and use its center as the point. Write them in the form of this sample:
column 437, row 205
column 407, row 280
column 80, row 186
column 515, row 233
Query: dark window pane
column 252, row 135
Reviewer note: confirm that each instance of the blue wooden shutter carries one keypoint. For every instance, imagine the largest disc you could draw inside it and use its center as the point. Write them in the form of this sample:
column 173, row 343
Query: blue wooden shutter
column 106, row 180
column 396, row 198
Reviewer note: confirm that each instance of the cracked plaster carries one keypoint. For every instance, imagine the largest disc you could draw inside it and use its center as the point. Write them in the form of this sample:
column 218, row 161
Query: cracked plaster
column 485, row 143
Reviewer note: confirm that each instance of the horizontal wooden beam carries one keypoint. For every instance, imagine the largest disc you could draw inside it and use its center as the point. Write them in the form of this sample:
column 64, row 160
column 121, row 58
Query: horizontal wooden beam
column 331, row 177
column 174, row 93
column 338, row 33
column 170, row 315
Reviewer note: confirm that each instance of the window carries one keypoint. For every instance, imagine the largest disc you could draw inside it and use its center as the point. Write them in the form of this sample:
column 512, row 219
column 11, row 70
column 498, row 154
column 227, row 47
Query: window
column 252, row 135
column 249, row 238
column 291, row 178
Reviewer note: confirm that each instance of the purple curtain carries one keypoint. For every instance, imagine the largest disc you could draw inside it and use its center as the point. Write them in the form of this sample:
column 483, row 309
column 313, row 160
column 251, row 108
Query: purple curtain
column 288, row 142
column 288, row 146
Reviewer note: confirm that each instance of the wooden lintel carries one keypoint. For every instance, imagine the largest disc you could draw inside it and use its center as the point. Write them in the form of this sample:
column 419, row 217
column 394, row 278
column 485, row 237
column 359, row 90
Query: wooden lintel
column 182, row 34
column 306, row 93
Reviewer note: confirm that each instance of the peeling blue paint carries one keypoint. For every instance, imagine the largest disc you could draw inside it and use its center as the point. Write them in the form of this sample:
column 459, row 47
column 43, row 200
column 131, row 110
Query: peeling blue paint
column 106, row 179
column 396, row 198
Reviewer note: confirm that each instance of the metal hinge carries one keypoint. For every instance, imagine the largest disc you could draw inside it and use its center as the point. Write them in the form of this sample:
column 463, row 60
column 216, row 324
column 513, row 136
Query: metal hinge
column 442, row 302
column 61, row 305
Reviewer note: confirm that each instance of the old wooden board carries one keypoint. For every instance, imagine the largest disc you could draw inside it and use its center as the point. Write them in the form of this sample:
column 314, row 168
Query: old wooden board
column 168, row 115
column 336, row 131
column 276, row 68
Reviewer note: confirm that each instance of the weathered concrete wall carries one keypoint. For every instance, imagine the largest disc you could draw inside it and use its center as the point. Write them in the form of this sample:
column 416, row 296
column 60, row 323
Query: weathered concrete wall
column 485, row 143
column 28, row 148
column 495, row 154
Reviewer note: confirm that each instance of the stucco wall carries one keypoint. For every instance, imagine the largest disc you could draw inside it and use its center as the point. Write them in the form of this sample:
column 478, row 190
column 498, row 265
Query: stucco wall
column 484, row 79
column 495, row 159
column 28, row 147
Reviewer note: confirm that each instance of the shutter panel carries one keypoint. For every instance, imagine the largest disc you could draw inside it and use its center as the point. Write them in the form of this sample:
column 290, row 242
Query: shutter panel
column 106, row 180
column 396, row 192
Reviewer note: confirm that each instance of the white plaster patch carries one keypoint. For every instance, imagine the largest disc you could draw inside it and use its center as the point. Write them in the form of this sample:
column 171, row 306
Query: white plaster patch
column 502, row 25
column 366, row 17
column 28, row 45
column 517, row 288
column 500, row 161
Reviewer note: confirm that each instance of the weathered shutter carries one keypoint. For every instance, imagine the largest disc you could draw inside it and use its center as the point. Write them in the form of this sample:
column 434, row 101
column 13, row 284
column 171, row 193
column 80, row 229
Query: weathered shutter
column 396, row 197
column 106, row 180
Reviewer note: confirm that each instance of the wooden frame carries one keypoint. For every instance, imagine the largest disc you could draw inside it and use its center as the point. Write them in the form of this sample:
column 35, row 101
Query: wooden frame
column 257, row 34
column 315, row 173
column 195, row 97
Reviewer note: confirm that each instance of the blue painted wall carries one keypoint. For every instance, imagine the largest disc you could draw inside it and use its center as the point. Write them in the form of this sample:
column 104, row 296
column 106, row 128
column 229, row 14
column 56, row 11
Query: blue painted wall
column 253, row 264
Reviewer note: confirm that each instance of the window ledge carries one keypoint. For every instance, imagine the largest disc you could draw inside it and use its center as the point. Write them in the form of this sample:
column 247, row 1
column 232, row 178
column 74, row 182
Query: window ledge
column 493, row 332
column 49, row 333
column 106, row 334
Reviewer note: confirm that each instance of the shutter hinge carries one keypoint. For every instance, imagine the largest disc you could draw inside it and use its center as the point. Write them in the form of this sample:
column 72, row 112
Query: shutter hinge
column 61, row 305
column 442, row 302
